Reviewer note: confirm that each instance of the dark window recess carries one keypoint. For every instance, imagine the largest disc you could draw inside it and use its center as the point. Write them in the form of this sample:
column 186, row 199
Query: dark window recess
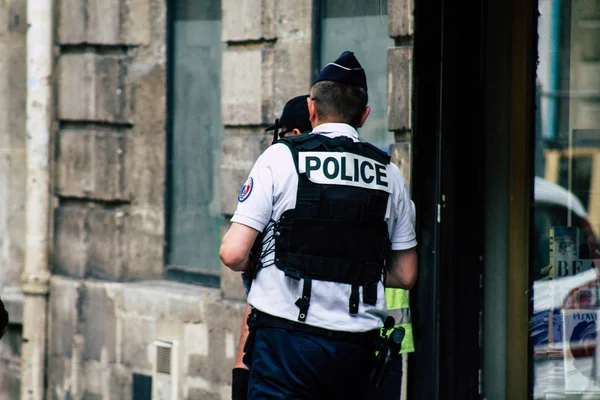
column 354, row 8
column 142, row 387
column 193, row 217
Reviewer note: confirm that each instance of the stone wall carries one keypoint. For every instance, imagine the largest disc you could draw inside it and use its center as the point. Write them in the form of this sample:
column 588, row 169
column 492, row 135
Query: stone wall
column 13, row 28
column 267, row 61
column 13, row 170
column 400, row 28
column 107, row 306
column 110, row 145
column 109, row 177
column 101, row 335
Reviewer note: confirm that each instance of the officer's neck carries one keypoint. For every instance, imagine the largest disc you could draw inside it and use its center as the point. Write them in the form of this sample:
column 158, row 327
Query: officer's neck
column 318, row 122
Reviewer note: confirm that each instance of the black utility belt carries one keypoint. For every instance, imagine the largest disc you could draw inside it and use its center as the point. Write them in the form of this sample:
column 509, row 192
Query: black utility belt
column 368, row 338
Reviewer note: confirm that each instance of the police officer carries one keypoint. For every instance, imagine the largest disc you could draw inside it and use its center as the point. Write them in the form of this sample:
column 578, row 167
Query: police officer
column 294, row 120
column 337, row 223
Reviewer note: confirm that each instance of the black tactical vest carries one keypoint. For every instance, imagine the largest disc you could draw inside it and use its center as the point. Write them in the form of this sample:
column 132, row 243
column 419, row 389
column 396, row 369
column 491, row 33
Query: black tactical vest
column 337, row 231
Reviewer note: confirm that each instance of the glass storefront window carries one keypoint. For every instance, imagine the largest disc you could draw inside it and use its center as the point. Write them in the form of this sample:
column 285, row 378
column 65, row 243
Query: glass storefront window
column 566, row 252
column 361, row 26
column 194, row 218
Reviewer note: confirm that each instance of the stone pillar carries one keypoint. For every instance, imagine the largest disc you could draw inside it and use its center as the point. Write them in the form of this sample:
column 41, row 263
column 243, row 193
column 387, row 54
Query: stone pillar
column 13, row 183
column 400, row 85
column 13, row 169
column 109, row 169
column 267, row 61
column 400, row 28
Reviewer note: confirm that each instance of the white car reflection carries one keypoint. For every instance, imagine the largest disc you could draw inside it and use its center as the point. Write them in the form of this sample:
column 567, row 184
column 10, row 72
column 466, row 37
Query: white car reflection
column 563, row 326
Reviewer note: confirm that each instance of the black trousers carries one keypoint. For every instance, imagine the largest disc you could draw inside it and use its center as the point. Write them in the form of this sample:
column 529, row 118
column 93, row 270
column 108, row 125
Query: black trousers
column 391, row 387
column 288, row 364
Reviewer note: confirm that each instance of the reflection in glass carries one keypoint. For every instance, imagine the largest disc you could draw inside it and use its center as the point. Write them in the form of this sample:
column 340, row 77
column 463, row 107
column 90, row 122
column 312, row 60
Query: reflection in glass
column 565, row 252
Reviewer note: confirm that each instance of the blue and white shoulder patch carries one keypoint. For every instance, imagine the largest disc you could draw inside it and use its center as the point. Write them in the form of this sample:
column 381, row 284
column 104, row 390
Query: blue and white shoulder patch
column 246, row 190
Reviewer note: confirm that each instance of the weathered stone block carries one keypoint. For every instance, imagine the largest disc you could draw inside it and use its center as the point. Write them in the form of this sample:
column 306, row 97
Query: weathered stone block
column 107, row 22
column 93, row 376
column 185, row 308
column 231, row 284
column 10, row 380
column 59, row 378
column 197, row 340
column 145, row 244
column 106, row 255
column 225, row 322
column 13, row 82
column 400, row 17
column 248, row 20
column 92, row 87
column 167, row 300
column 401, row 156
column 226, row 319
column 137, row 336
column 146, row 170
column 64, row 319
column 13, row 181
column 91, row 164
column 194, row 393
column 399, row 61
column 143, row 301
column 238, row 155
column 588, row 75
column 12, row 102
column 247, row 86
column 148, row 83
column 294, row 20
column 92, row 396
column 70, row 241
column 294, row 41
column 95, row 242
column 119, row 383
column 98, row 323
column 292, row 74
column 196, row 350
column 13, row 17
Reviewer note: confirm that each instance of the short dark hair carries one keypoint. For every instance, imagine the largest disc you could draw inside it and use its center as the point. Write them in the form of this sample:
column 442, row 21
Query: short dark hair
column 338, row 102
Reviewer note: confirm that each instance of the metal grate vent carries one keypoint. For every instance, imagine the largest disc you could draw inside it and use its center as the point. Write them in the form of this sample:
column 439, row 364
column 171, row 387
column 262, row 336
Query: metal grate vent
column 163, row 359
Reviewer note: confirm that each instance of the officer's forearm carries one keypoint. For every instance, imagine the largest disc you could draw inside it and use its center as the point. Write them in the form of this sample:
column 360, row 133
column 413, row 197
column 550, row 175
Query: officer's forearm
column 236, row 245
column 240, row 265
column 243, row 336
column 402, row 269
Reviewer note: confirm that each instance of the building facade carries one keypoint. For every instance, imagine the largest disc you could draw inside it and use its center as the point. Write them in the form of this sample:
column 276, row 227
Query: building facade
column 128, row 127
column 158, row 110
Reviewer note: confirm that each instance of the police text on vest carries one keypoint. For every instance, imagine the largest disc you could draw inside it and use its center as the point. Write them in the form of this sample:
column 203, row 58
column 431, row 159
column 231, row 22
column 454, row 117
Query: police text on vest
column 344, row 169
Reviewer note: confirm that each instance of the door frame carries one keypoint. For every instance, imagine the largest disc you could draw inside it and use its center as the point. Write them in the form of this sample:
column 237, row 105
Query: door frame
column 446, row 339
column 521, row 176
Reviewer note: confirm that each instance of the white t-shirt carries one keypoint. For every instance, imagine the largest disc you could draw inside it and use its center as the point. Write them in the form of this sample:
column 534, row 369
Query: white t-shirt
column 267, row 193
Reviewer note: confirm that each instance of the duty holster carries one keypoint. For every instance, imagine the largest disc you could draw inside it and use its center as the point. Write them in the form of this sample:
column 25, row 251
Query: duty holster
column 388, row 349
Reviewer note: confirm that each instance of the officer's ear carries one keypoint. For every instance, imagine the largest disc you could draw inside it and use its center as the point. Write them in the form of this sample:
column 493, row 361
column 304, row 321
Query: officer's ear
column 364, row 116
column 295, row 132
column 312, row 112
